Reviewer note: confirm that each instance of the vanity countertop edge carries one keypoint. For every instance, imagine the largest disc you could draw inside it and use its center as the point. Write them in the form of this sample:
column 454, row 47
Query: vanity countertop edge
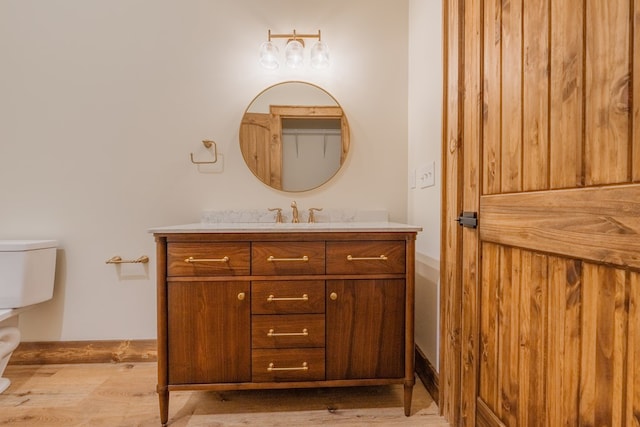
column 344, row 227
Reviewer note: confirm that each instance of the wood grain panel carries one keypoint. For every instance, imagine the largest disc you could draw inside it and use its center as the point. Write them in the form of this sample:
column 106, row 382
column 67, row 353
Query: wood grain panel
column 509, row 340
column 162, row 320
column 614, row 354
column 553, row 120
column 633, row 359
column 290, row 364
column 607, row 84
column 491, row 108
column 217, row 347
column 451, row 234
column 511, row 77
column 535, row 93
column 237, row 253
column 427, row 373
column 635, row 58
column 288, row 258
column 472, row 130
column 303, row 111
column 359, row 307
column 525, row 372
column 57, row 352
column 565, row 109
column 588, row 350
column 274, row 168
column 533, row 314
column 338, row 253
column 121, row 394
column 565, row 299
column 485, row 417
column 346, row 139
column 294, row 289
column 488, row 390
column 255, row 145
column 598, row 224
column 604, row 345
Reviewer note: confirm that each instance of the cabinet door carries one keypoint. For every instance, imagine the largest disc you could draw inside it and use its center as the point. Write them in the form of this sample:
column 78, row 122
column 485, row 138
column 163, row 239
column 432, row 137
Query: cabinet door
column 209, row 332
column 365, row 328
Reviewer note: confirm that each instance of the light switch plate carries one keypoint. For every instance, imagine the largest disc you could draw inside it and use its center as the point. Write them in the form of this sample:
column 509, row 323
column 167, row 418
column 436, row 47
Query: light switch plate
column 426, row 175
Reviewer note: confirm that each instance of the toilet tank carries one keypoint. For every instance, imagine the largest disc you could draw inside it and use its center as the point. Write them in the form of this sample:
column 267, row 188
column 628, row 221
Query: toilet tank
column 27, row 271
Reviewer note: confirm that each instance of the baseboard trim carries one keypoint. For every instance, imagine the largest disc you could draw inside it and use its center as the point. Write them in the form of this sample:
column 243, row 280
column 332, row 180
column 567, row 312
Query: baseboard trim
column 427, row 374
column 59, row 352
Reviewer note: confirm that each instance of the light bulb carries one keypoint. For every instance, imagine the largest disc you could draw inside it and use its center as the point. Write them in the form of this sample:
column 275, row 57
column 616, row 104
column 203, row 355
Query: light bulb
column 269, row 56
column 320, row 55
column 293, row 54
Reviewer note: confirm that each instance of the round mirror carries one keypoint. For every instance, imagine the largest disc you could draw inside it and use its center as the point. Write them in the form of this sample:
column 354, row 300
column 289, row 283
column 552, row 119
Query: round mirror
column 294, row 136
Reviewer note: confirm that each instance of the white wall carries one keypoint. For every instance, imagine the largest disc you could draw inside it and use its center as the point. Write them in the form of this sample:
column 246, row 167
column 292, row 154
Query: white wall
column 425, row 134
column 101, row 103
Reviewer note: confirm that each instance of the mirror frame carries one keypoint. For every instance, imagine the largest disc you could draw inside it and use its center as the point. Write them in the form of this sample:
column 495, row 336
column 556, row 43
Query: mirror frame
column 268, row 127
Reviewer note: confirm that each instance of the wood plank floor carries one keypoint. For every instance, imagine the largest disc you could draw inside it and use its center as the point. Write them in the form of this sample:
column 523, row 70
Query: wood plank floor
column 124, row 395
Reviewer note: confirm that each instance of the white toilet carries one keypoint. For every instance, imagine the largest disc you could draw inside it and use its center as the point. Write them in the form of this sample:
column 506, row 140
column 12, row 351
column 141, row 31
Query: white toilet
column 27, row 271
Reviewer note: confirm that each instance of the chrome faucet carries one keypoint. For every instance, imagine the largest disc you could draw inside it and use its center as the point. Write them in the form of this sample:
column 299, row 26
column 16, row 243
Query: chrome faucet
column 294, row 206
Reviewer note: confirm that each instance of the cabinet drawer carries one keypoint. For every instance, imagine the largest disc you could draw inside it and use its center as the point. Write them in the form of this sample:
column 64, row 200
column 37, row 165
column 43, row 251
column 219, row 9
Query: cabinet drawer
column 287, row 331
column 292, row 364
column 287, row 297
column 370, row 257
column 208, row 259
column 283, row 258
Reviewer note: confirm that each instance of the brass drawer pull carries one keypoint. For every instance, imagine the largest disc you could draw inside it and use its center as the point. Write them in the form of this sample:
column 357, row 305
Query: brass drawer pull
column 367, row 258
column 272, row 333
column 272, row 367
column 304, row 297
column 192, row 259
column 272, row 259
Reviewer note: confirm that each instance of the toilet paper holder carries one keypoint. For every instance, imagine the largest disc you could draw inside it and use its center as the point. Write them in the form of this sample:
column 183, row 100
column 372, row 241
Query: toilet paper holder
column 118, row 260
column 208, row 144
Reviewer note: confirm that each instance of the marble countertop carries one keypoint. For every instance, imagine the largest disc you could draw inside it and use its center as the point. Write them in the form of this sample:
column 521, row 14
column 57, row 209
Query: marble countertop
column 263, row 227
column 263, row 221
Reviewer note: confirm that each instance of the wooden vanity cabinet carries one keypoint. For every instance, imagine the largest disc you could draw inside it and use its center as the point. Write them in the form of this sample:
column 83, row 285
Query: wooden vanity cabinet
column 365, row 328
column 284, row 310
column 210, row 332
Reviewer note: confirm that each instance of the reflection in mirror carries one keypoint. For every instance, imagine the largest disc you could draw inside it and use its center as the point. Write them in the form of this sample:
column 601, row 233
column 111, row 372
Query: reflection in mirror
column 294, row 136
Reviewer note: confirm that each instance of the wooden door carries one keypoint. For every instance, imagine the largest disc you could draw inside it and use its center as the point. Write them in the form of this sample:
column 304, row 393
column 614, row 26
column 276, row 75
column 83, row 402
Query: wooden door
column 365, row 328
column 261, row 147
column 209, row 332
column 541, row 318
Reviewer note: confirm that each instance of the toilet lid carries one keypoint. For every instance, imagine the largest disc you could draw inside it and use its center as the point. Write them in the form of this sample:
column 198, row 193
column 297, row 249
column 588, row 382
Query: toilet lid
column 26, row 245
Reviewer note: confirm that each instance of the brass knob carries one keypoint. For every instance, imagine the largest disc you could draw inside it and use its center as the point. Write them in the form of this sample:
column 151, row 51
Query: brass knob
column 241, row 296
column 333, row 296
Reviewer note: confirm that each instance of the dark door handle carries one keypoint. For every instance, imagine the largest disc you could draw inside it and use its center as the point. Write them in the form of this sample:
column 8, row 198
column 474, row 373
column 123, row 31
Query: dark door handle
column 468, row 219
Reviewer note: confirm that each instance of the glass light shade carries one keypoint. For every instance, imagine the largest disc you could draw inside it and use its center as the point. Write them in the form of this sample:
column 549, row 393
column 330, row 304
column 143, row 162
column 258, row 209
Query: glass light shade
column 269, row 56
column 320, row 55
column 293, row 54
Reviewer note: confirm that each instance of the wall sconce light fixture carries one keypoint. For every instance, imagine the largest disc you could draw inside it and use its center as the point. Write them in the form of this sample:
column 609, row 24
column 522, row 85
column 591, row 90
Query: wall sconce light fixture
column 294, row 51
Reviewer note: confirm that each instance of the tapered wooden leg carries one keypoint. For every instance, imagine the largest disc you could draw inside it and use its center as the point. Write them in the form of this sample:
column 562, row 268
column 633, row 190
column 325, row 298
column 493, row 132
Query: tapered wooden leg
column 163, row 397
column 408, row 393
